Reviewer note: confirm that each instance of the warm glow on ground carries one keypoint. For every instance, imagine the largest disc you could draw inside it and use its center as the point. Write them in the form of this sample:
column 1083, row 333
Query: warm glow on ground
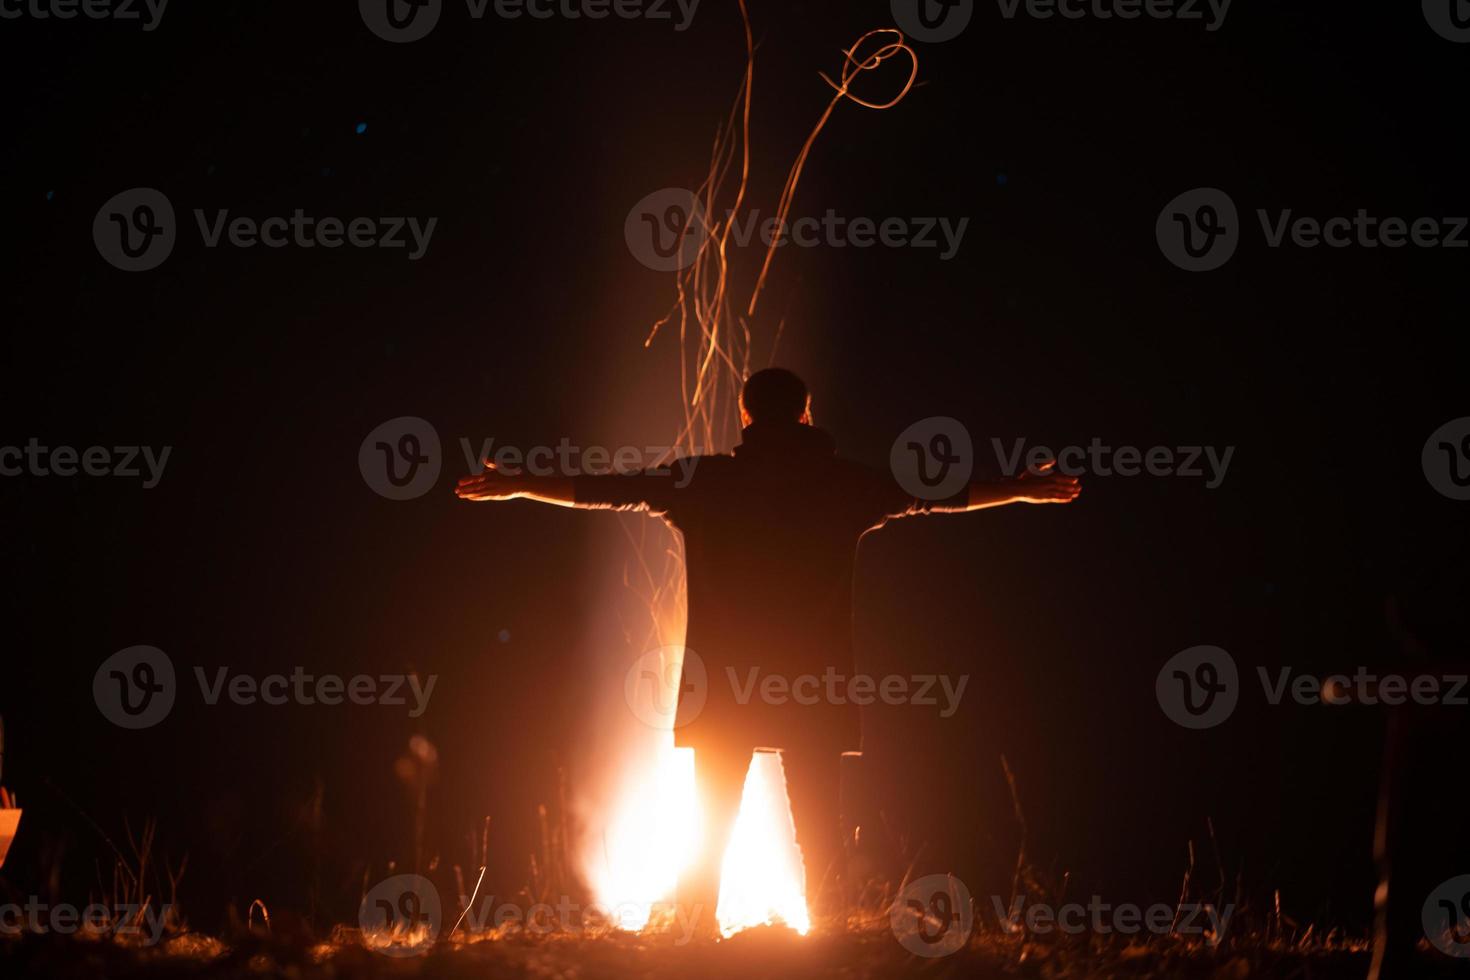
column 762, row 880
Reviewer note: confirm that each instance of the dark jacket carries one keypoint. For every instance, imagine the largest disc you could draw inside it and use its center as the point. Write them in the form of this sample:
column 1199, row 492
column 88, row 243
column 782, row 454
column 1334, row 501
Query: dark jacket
column 770, row 539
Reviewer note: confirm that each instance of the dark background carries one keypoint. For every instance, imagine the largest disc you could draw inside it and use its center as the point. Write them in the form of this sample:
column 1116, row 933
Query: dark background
column 1059, row 320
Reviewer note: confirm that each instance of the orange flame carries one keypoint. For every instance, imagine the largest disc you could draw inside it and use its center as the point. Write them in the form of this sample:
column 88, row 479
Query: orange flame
column 653, row 837
column 762, row 881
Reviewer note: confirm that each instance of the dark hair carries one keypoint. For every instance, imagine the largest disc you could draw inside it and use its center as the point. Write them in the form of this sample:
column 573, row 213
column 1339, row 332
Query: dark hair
column 774, row 395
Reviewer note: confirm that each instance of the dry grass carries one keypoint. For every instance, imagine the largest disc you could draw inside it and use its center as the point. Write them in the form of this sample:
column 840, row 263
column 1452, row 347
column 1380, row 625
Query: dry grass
column 764, row 954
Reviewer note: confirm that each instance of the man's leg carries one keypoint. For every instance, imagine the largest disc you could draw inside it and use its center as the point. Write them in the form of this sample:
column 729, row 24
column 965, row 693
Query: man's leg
column 813, row 778
column 720, row 776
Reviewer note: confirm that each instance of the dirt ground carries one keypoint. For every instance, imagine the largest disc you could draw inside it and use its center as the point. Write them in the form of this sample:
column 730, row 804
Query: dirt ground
column 760, row 954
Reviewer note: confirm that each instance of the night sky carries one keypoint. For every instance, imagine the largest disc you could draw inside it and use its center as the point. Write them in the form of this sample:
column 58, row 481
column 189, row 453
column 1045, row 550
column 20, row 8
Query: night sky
column 1058, row 321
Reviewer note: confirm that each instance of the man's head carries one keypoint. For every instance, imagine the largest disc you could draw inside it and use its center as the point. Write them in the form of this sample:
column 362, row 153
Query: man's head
column 775, row 395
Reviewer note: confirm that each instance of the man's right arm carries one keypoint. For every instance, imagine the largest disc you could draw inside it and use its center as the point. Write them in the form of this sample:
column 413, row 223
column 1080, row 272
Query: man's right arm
column 492, row 484
column 1042, row 487
column 645, row 490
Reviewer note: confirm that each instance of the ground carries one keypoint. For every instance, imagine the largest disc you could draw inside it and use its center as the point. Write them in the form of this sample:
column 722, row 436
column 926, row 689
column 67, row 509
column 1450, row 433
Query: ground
column 762, row 954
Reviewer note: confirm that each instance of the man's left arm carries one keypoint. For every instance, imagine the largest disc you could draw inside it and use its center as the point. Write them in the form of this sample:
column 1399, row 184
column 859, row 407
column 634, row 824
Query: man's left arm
column 649, row 490
column 1043, row 487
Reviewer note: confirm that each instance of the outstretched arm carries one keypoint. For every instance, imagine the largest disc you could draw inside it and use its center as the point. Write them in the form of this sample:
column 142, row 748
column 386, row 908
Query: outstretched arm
column 1046, row 487
column 492, row 484
column 652, row 491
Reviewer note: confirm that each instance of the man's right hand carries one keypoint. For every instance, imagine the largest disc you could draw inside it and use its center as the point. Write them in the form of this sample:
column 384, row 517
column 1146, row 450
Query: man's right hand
column 490, row 484
column 1046, row 486
column 493, row 484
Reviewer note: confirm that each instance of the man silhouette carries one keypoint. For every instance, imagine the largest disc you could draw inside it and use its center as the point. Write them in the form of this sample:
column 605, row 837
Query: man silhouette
column 770, row 540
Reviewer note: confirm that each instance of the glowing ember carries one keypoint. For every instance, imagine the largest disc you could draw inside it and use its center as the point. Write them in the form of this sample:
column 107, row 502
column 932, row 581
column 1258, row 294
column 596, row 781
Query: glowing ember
column 652, row 839
column 762, row 881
